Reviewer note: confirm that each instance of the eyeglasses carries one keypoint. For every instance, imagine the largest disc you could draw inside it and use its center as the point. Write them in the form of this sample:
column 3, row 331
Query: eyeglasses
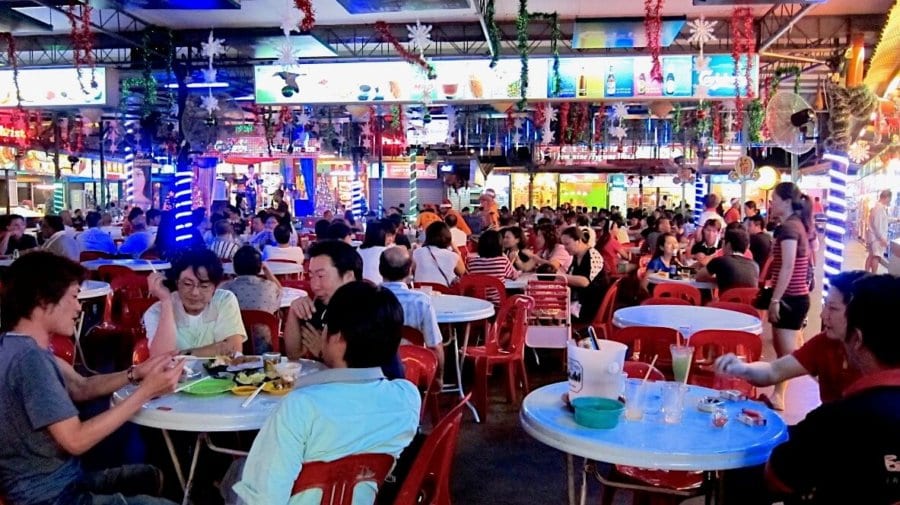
column 190, row 286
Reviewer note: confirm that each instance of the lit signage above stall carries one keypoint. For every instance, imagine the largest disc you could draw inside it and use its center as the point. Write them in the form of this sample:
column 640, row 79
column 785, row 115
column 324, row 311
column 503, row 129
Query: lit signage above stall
column 11, row 134
column 59, row 87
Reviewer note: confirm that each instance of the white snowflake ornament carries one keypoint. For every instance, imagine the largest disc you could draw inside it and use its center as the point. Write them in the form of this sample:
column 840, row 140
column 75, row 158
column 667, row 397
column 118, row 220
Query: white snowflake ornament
column 419, row 35
column 701, row 91
column 303, row 118
column 286, row 53
column 517, row 138
column 702, row 64
column 859, row 151
column 517, row 123
column 702, row 31
column 209, row 74
column 290, row 17
column 619, row 132
column 550, row 116
column 619, row 110
column 210, row 103
column 547, row 135
column 213, row 47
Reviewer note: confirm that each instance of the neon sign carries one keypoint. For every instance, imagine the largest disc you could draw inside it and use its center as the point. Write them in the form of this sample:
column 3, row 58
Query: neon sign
column 12, row 135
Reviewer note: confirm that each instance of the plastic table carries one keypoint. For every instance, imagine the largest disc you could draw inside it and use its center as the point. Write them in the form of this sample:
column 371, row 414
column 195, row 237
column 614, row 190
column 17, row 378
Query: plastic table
column 521, row 283
column 276, row 267
column 136, row 265
column 93, row 289
column 679, row 316
column 691, row 445
column 655, row 279
column 204, row 415
column 288, row 295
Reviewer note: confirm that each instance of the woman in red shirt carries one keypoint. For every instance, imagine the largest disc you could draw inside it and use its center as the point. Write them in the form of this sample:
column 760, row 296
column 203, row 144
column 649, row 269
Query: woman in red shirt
column 609, row 247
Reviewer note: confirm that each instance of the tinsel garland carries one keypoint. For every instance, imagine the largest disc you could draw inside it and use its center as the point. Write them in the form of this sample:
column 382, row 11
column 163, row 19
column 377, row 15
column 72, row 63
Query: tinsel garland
column 653, row 26
column 839, row 114
column 522, row 45
column 540, row 114
column 396, row 119
column 677, row 111
column 779, row 75
column 493, row 32
column 717, row 134
column 384, row 31
column 743, row 44
column 510, row 118
column 862, row 102
column 563, row 122
column 704, row 121
column 12, row 59
column 309, row 14
column 579, row 122
column 756, row 114
column 82, row 41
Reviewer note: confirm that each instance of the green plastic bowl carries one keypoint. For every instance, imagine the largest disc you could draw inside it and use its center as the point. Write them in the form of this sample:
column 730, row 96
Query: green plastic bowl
column 599, row 413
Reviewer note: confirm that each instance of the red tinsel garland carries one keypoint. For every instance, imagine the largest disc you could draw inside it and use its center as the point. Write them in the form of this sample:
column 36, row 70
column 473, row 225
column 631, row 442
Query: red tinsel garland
column 653, row 25
column 309, row 14
column 563, row 121
column 540, row 115
column 82, row 41
column 13, row 61
column 743, row 44
column 510, row 118
column 579, row 122
column 382, row 29
column 767, row 85
column 717, row 124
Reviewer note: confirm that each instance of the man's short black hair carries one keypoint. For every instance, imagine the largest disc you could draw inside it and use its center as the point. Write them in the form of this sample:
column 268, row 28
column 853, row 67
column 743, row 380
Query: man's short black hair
column 738, row 238
column 247, row 261
column 36, row 279
column 222, row 228
column 759, row 220
column 93, row 219
column 282, row 234
column 343, row 256
column 873, row 311
column 55, row 223
column 844, row 282
column 369, row 319
column 322, row 229
column 153, row 214
column 489, row 245
column 135, row 212
column 338, row 230
column 450, row 219
column 194, row 259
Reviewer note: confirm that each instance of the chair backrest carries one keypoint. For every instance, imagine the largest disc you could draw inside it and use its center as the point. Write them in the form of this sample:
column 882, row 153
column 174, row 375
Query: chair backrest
column 550, row 322
column 297, row 284
column 134, row 311
column 666, row 301
column 463, row 253
column 141, row 352
column 338, row 478
column 740, row 295
column 281, row 260
column 255, row 318
column 484, row 287
column 607, row 306
column 63, row 348
column 93, row 255
column 639, row 369
column 709, row 344
column 419, row 366
column 150, row 254
column 413, row 335
column 109, row 272
column 680, row 291
column 646, row 342
column 512, row 319
column 735, row 306
column 429, row 480
column 440, row 288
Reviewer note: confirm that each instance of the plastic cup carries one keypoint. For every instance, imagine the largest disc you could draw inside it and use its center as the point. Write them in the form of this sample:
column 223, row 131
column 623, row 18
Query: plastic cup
column 681, row 361
column 635, row 399
column 673, row 401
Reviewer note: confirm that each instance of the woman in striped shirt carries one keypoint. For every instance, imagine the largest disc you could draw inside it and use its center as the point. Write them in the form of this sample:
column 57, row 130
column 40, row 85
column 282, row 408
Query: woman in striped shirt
column 491, row 261
column 789, row 273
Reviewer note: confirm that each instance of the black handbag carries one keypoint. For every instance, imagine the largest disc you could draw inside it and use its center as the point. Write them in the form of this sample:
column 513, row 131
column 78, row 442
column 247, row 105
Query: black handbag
column 764, row 298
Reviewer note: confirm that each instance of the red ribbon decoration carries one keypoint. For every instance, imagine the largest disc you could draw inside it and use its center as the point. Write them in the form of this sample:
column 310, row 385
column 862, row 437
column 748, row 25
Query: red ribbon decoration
column 13, row 60
column 82, row 41
column 653, row 26
column 382, row 29
column 743, row 44
column 309, row 14
column 540, row 115
column 563, row 122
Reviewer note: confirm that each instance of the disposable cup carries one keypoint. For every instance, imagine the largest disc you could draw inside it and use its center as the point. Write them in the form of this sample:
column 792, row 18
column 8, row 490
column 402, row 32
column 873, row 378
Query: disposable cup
column 635, row 399
column 681, row 361
column 673, row 394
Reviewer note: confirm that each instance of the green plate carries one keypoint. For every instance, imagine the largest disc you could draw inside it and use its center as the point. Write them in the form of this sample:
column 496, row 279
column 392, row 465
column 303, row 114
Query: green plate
column 209, row 387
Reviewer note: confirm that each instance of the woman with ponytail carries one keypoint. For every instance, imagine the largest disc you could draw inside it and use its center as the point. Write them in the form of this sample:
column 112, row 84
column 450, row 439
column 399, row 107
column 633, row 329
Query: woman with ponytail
column 789, row 273
column 585, row 276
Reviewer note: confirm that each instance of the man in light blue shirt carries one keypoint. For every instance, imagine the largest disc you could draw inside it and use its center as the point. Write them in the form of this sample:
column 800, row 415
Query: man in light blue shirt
column 139, row 241
column 395, row 267
column 346, row 410
column 95, row 239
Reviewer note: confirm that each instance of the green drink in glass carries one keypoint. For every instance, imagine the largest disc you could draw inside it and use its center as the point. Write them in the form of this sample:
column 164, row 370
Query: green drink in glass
column 681, row 361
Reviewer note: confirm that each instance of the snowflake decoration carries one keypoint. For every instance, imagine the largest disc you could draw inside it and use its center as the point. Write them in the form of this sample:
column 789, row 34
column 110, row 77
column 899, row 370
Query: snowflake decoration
column 213, row 47
column 517, row 138
column 210, row 103
column 702, row 64
column 618, row 132
column 419, row 35
column 547, row 135
column 702, row 31
column 366, row 131
column 859, row 151
column 286, row 53
column 517, row 123
column 550, row 116
column 290, row 17
column 701, row 91
column 619, row 110
column 341, row 139
column 209, row 74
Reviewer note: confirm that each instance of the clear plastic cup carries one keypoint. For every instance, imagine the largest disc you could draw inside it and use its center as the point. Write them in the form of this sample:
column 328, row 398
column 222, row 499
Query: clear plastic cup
column 681, row 361
column 673, row 394
column 635, row 399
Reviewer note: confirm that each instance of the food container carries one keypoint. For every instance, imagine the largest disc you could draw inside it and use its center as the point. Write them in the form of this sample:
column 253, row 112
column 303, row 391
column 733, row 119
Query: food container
column 732, row 395
column 752, row 417
column 709, row 404
column 289, row 371
column 598, row 413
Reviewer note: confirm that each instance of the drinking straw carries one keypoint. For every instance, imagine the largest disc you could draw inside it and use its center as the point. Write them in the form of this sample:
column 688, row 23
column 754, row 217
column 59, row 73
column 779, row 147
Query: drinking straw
column 687, row 373
column 649, row 369
column 678, row 338
column 253, row 396
column 593, row 336
column 189, row 384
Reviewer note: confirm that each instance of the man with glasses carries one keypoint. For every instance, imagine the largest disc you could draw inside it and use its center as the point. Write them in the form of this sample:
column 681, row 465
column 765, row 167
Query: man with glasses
column 197, row 318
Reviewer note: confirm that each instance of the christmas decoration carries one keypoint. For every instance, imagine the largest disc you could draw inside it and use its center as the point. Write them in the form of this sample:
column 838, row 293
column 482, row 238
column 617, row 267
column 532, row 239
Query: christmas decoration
column 309, row 14
column 743, row 46
column 756, row 114
column 493, row 32
column 653, row 26
column 839, row 118
column 382, row 29
column 552, row 19
column 13, row 60
column 82, row 41
column 619, row 110
column 419, row 36
column 563, row 121
column 522, row 46
column 702, row 31
column 859, row 151
column 211, row 49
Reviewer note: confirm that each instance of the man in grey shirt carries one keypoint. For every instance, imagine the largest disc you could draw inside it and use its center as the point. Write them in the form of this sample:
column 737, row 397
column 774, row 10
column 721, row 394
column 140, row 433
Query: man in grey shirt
column 732, row 269
column 254, row 292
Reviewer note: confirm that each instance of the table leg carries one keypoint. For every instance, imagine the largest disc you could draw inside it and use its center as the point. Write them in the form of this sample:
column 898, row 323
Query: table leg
column 460, row 358
column 570, row 478
column 584, row 474
column 175, row 462
column 190, row 481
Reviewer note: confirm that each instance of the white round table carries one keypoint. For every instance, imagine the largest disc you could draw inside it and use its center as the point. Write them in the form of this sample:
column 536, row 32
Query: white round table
column 288, row 295
column 679, row 316
column 136, row 265
column 93, row 289
column 276, row 267
column 521, row 283
column 656, row 279
column 460, row 309
column 691, row 445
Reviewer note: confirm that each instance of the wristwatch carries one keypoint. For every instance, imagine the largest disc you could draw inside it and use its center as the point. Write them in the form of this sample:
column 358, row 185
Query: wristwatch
column 131, row 377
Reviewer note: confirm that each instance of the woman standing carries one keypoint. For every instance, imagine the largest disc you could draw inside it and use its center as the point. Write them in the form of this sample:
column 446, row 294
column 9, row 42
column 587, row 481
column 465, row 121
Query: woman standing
column 585, row 276
column 789, row 274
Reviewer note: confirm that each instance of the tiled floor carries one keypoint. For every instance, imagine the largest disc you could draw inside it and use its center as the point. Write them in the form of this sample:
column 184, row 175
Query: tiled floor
column 498, row 463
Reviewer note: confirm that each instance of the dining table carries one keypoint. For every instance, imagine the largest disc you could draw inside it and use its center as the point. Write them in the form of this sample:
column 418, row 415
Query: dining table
column 687, row 319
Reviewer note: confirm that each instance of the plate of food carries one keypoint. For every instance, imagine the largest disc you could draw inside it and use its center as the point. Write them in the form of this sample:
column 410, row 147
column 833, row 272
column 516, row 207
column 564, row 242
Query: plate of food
column 235, row 363
column 278, row 387
column 246, row 378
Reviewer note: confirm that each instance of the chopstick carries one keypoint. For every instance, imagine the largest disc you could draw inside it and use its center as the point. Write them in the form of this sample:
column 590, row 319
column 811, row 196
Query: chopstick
column 189, row 357
column 253, row 396
column 189, row 384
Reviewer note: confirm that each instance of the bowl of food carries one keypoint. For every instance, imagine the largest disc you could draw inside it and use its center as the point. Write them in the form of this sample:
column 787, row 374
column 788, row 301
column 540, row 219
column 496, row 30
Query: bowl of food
column 288, row 371
column 596, row 412
column 278, row 387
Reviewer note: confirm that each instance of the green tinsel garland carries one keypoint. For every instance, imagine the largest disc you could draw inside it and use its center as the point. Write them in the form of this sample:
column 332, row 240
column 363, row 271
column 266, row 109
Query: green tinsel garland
column 493, row 32
column 552, row 19
column 755, row 115
column 522, row 44
column 781, row 73
column 676, row 118
column 704, row 119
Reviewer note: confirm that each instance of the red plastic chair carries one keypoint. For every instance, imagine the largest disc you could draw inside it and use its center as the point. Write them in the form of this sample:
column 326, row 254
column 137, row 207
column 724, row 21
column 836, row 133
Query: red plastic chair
column 429, row 480
column 63, row 348
column 141, row 351
column 710, row 344
column 252, row 320
column 440, row 288
column 150, row 255
column 107, row 273
column 512, row 320
column 463, row 253
column 603, row 319
column 413, row 335
column 338, row 478
column 93, row 255
column 483, row 287
column 134, row 312
column 735, row 306
column 740, row 295
column 666, row 301
column 679, row 291
column 638, row 369
column 420, row 368
column 644, row 342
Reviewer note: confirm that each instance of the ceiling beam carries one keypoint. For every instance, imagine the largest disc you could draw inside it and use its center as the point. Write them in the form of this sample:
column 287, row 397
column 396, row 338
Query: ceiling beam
column 13, row 20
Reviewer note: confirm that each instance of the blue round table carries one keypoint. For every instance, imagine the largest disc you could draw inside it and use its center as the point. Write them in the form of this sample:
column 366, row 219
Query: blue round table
column 691, row 445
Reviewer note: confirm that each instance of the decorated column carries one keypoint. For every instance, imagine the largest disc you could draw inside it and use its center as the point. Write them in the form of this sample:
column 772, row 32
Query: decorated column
column 836, row 227
column 413, row 189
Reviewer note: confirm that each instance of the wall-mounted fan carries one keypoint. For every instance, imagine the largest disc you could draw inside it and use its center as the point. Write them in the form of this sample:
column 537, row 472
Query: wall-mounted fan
column 791, row 122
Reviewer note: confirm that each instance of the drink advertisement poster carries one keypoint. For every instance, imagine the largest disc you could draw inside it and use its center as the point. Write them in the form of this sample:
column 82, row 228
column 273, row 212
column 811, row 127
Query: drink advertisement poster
column 677, row 76
column 619, row 80
column 719, row 77
column 578, row 78
column 644, row 85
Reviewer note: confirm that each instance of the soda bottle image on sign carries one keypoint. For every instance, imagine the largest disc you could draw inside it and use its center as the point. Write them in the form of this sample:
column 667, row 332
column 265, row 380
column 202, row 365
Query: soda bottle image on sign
column 670, row 84
column 642, row 84
column 582, row 83
column 610, row 83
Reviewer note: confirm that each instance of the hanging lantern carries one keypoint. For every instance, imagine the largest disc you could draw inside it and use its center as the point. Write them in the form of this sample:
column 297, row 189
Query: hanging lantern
column 661, row 108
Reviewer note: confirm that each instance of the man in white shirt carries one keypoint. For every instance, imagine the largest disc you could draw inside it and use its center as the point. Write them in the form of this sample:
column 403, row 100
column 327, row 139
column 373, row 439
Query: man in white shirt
column 876, row 234
column 56, row 240
column 95, row 239
column 348, row 409
column 418, row 312
column 710, row 203
column 457, row 236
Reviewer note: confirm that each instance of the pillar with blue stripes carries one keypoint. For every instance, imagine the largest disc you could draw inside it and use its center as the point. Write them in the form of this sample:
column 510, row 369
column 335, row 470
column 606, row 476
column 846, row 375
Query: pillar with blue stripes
column 699, row 196
column 836, row 212
column 413, row 189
